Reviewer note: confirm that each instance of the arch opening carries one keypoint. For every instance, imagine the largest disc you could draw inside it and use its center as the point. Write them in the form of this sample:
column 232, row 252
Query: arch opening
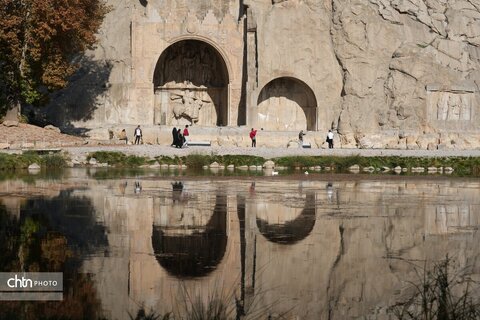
column 191, row 85
column 287, row 104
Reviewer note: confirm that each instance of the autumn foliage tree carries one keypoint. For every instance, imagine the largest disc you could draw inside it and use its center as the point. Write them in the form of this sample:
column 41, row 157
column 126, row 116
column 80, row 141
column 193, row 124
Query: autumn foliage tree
column 39, row 40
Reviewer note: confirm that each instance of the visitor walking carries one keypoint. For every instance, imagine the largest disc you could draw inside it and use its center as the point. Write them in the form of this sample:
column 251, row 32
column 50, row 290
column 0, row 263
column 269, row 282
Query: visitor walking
column 330, row 139
column 300, row 138
column 253, row 137
column 174, row 137
column 185, row 135
column 180, row 140
column 138, row 135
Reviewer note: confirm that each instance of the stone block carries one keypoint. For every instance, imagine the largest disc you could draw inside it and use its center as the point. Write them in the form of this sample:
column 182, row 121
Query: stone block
column 10, row 123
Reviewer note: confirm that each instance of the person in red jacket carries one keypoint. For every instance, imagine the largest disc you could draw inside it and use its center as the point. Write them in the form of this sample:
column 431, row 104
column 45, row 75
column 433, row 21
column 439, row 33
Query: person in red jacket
column 253, row 136
column 186, row 135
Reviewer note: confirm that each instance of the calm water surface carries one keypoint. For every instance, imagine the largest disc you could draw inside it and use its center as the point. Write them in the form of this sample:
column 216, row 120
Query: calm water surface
column 313, row 247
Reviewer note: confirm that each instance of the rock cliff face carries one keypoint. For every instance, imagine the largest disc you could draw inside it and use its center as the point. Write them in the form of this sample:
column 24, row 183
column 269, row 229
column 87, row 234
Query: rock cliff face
column 383, row 73
column 396, row 55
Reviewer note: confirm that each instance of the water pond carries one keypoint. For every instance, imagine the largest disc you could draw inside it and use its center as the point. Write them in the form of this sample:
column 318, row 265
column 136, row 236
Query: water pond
column 296, row 247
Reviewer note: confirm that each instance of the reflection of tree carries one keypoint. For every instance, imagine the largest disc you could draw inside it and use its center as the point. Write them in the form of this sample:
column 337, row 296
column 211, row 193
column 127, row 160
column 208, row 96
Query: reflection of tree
column 52, row 235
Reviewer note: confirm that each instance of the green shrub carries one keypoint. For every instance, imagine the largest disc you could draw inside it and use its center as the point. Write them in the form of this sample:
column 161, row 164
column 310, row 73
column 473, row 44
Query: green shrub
column 119, row 159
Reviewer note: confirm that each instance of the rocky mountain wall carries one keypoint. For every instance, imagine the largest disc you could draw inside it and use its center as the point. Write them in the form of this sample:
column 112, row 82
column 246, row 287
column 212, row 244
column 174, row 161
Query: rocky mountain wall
column 384, row 73
column 396, row 55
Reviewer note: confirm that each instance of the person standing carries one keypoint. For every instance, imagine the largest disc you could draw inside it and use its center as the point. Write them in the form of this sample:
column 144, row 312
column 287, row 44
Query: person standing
column 179, row 138
column 330, row 139
column 253, row 137
column 185, row 135
column 138, row 134
column 174, row 137
column 300, row 138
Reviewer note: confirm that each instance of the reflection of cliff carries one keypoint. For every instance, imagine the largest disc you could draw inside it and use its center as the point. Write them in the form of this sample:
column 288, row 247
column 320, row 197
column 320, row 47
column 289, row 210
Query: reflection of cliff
column 291, row 231
column 268, row 247
column 197, row 253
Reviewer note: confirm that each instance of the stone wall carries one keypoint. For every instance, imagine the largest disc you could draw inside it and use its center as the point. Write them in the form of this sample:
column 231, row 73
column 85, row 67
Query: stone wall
column 382, row 73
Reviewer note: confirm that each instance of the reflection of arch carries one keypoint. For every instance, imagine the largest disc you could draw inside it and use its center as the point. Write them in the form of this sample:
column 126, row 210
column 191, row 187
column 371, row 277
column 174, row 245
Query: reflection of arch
column 287, row 104
column 195, row 254
column 191, row 84
column 294, row 230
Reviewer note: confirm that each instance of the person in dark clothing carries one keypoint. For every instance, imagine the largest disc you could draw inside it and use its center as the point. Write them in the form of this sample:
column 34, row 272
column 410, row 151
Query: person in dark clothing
column 180, row 140
column 174, row 137
column 138, row 135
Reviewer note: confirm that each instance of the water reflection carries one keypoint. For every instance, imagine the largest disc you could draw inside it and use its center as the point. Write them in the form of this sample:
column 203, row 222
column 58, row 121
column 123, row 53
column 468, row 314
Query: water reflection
column 273, row 227
column 186, row 247
column 309, row 249
column 51, row 234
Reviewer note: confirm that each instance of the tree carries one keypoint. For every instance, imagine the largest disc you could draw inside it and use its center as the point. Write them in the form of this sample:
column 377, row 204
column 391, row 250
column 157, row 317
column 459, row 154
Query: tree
column 39, row 40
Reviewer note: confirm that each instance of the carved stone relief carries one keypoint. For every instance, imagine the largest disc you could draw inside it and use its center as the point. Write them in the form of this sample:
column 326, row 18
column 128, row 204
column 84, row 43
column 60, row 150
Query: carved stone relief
column 188, row 103
column 453, row 106
column 450, row 105
column 191, row 82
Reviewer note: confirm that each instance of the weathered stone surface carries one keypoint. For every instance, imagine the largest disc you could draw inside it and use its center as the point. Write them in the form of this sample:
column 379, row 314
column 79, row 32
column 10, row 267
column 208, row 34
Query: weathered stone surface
column 381, row 73
column 269, row 164
column 4, row 145
column 10, row 123
column 34, row 166
column 92, row 161
column 53, row 128
column 214, row 165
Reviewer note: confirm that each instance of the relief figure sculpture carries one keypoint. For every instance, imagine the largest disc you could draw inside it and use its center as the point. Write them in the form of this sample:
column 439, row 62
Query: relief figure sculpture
column 187, row 105
column 453, row 106
column 442, row 107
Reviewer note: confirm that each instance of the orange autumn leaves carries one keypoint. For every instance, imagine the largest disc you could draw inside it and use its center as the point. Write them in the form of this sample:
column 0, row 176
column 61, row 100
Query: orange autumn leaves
column 39, row 40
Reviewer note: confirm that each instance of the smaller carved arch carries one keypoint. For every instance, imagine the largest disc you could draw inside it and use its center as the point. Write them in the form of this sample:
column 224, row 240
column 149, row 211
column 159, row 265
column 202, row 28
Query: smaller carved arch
column 287, row 104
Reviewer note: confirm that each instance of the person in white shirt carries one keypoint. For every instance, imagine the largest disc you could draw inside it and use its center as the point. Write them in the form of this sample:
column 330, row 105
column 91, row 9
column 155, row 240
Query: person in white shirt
column 330, row 139
column 138, row 135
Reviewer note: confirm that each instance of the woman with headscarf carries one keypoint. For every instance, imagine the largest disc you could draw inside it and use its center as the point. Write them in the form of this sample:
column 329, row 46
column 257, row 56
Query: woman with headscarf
column 179, row 138
column 174, row 136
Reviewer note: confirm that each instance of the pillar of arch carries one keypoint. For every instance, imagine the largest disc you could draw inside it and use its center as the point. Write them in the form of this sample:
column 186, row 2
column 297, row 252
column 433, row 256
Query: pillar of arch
column 286, row 104
column 191, row 84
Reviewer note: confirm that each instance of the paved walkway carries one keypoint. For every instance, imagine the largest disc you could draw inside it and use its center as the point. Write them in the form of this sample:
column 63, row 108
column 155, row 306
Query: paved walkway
column 157, row 150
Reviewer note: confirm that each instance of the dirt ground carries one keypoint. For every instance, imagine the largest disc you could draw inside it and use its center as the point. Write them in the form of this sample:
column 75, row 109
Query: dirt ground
column 24, row 135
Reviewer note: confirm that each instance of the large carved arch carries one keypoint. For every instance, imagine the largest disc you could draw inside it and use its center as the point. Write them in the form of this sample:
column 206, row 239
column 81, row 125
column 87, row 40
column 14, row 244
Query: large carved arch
column 191, row 83
column 287, row 104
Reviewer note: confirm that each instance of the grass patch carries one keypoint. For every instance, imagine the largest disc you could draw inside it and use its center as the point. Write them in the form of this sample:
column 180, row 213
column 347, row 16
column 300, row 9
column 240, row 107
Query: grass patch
column 197, row 161
column 14, row 162
column 117, row 159
column 461, row 165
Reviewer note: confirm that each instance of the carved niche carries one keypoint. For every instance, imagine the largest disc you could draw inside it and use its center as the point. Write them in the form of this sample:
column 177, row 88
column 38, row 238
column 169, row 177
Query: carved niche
column 450, row 104
column 191, row 85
